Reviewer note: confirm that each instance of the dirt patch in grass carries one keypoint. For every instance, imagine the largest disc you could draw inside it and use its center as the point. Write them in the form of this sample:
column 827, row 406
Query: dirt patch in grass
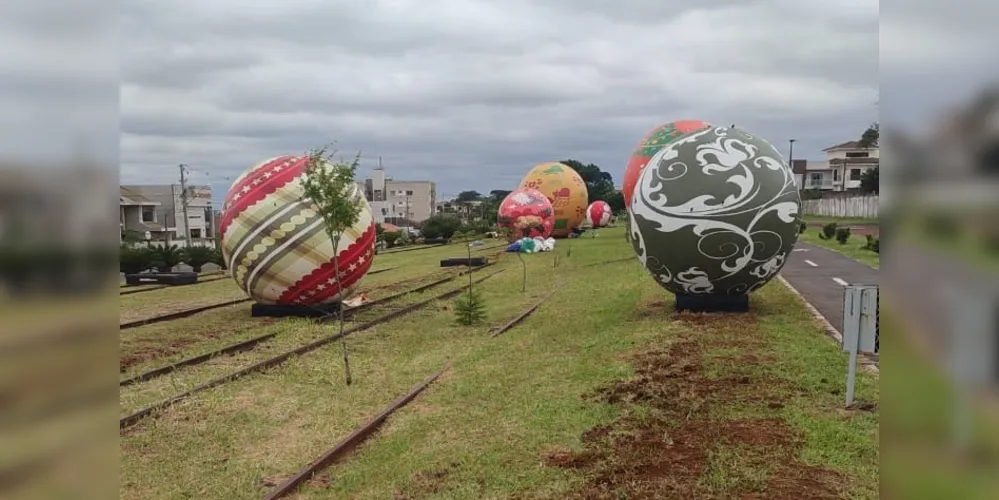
column 427, row 482
column 668, row 444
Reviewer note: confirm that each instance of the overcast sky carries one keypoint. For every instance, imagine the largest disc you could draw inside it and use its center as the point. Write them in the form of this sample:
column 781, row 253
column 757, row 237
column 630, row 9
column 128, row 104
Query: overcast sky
column 472, row 93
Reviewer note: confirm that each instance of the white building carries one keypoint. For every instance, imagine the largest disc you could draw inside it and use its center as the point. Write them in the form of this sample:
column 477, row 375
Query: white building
column 842, row 169
column 398, row 201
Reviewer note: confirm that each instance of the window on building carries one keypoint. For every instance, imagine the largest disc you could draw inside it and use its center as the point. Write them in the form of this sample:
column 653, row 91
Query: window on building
column 196, row 233
column 148, row 214
column 409, row 193
column 835, row 175
column 854, row 174
column 815, row 178
column 858, row 154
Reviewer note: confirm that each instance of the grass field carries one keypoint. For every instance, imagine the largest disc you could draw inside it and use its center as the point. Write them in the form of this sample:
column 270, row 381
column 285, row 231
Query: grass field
column 841, row 220
column 604, row 392
column 853, row 248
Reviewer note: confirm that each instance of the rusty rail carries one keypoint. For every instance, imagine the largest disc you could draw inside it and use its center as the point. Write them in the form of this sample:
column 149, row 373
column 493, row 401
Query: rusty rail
column 179, row 314
column 520, row 317
column 350, row 443
column 135, row 417
column 160, row 287
column 250, row 344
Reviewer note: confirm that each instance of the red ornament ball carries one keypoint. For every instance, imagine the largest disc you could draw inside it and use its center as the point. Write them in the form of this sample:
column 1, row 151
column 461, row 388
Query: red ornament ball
column 527, row 213
column 649, row 145
column 598, row 214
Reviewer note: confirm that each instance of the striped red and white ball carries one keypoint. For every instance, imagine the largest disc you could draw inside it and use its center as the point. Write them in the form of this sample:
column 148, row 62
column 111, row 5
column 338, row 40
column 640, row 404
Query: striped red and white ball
column 527, row 213
column 276, row 245
column 598, row 214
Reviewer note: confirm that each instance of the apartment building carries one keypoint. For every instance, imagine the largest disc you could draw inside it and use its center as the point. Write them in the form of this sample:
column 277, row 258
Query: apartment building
column 159, row 209
column 401, row 202
column 842, row 169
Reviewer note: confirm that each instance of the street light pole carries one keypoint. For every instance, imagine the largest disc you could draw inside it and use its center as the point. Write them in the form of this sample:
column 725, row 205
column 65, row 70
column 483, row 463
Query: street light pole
column 790, row 152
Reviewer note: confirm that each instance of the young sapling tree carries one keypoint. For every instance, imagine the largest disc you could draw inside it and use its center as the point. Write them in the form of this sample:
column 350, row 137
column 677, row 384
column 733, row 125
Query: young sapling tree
column 330, row 189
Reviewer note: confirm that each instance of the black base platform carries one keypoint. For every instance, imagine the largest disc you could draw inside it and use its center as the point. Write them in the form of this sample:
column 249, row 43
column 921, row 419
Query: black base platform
column 179, row 278
column 292, row 310
column 465, row 261
column 712, row 303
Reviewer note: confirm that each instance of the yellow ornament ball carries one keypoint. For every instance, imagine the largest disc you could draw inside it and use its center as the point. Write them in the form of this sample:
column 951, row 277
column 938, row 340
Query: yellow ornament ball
column 565, row 189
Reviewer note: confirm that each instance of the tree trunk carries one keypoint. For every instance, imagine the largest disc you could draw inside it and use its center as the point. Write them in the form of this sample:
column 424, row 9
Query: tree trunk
column 469, row 245
column 523, row 282
column 339, row 286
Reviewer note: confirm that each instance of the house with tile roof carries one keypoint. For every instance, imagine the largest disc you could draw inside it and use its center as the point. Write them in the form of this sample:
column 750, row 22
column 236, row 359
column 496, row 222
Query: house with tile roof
column 841, row 170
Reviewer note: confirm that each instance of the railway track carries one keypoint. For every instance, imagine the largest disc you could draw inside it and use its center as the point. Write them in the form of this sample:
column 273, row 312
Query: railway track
column 250, row 344
column 189, row 312
column 161, row 287
column 135, row 417
column 348, row 445
column 179, row 314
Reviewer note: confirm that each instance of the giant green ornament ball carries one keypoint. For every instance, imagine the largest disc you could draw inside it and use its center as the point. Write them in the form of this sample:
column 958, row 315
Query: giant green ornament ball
column 716, row 211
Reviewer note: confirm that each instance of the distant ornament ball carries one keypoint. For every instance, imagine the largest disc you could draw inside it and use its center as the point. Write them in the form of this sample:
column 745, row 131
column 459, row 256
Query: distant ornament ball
column 649, row 145
column 566, row 191
column 276, row 245
column 527, row 213
column 716, row 211
column 598, row 214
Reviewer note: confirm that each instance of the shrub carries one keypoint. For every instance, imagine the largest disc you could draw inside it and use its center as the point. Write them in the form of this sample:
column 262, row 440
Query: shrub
column 843, row 235
column 218, row 259
column 829, row 231
column 133, row 260
column 469, row 309
column 167, row 257
column 391, row 238
column 873, row 244
column 196, row 257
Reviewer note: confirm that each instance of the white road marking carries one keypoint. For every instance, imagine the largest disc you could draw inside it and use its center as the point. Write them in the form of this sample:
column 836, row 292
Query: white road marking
column 811, row 263
column 800, row 250
column 840, row 282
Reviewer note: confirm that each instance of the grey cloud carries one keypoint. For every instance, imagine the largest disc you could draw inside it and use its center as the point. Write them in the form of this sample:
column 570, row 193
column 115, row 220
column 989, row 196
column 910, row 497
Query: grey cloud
column 472, row 96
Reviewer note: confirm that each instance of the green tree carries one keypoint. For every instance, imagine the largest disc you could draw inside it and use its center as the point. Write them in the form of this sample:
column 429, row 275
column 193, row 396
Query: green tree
column 330, row 189
column 441, row 226
column 869, row 182
column 871, row 137
column 467, row 196
column 469, row 309
column 499, row 194
column 616, row 202
column 599, row 184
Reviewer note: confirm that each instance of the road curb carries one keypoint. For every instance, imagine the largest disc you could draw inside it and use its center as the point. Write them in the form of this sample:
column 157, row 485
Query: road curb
column 865, row 362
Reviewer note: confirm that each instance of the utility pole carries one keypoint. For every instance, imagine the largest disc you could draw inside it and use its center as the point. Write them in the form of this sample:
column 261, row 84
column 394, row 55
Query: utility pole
column 183, row 202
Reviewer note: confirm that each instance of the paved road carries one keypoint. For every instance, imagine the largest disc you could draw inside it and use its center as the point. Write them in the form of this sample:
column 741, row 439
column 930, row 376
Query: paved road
column 820, row 276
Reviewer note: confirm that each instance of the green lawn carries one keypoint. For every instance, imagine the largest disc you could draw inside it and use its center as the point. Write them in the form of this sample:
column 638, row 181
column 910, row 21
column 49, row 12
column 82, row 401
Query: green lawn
column 603, row 369
column 853, row 248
